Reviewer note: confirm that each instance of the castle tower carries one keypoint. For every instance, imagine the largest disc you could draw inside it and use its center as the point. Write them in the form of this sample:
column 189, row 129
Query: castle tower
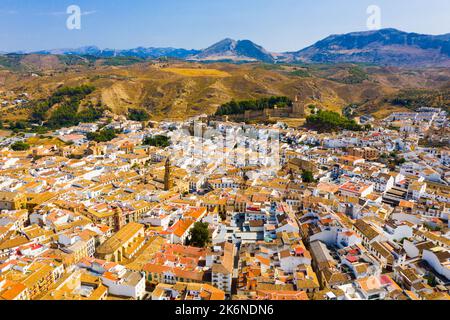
column 298, row 108
column 168, row 181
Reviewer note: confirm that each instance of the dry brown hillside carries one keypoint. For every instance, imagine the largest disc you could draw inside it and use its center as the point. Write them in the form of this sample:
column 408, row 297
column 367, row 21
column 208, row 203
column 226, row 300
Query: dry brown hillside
column 177, row 90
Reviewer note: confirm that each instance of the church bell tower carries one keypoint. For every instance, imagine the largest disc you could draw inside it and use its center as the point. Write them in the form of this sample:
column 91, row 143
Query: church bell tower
column 168, row 181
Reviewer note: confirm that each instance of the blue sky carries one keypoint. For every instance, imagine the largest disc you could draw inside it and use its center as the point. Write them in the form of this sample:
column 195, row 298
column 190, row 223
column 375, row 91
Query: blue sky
column 278, row 25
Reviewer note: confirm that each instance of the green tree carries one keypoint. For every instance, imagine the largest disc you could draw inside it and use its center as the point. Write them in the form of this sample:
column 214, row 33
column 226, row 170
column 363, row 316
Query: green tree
column 329, row 121
column 199, row 235
column 18, row 125
column 64, row 116
column 307, row 176
column 157, row 141
column 20, row 146
column 91, row 113
column 102, row 136
column 67, row 101
column 138, row 115
column 239, row 107
column 431, row 280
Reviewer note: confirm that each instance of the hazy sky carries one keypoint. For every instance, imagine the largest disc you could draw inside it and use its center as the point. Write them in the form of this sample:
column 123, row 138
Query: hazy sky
column 278, row 25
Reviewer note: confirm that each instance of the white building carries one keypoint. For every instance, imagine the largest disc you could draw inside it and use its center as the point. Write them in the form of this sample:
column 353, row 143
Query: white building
column 131, row 284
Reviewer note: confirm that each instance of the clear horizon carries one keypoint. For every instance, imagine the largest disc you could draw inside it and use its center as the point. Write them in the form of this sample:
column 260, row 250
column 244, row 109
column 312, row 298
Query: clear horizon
column 281, row 26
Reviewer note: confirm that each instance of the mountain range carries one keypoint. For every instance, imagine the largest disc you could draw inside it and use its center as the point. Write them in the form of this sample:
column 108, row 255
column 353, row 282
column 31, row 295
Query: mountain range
column 139, row 52
column 382, row 47
column 387, row 47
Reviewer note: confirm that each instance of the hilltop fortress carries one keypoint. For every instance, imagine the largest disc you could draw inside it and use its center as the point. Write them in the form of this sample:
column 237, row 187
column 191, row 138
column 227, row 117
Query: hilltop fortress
column 297, row 110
